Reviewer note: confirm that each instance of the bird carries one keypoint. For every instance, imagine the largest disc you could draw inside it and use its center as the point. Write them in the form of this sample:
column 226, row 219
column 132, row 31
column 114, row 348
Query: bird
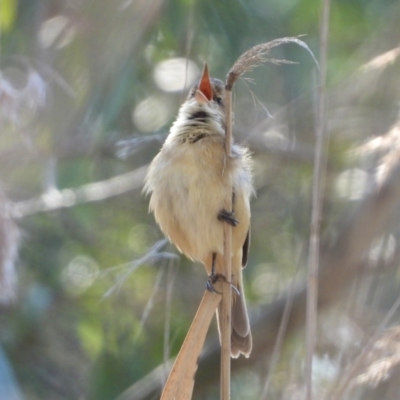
column 188, row 182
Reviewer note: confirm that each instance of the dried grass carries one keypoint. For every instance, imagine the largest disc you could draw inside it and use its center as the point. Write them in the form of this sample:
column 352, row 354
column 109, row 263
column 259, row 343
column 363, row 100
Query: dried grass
column 258, row 55
column 383, row 358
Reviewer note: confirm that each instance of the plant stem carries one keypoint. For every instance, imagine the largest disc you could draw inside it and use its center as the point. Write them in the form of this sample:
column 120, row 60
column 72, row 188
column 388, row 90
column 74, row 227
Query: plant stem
column 318, row 188
column 226, row 316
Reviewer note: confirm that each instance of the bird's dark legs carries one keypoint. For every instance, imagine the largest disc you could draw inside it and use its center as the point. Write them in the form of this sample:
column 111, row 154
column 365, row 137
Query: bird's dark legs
column 229, row 216
column 213, row 276
column 217, row 277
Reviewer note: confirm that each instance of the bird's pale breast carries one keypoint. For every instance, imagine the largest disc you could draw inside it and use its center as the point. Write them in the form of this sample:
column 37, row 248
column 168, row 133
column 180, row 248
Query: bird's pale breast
column 193, row 181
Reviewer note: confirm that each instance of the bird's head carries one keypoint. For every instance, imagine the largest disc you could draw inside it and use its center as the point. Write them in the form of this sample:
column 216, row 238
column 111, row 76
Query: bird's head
column 204, row 106
column 209, row 91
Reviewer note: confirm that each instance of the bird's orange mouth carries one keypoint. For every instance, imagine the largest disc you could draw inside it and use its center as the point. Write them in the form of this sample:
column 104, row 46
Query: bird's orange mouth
column 204, row 93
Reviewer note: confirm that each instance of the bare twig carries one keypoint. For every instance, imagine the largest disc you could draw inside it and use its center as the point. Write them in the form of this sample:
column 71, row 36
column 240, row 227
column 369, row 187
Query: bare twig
column 318, row 188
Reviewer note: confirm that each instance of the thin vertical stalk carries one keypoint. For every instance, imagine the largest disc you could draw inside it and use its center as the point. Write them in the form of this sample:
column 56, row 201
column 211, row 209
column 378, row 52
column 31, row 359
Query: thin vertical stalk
column 282, row 330
column 189, row 43
column 226, row 314
column 171, row 274
column 317, row 194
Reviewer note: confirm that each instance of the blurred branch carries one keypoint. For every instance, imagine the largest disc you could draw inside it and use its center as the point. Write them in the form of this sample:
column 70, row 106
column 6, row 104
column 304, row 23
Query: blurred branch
column 340, row 264
column 135, row 144
column 97, row 191
column 382, row 61
column 125, row 270
column 9, row 243
column 9, row 388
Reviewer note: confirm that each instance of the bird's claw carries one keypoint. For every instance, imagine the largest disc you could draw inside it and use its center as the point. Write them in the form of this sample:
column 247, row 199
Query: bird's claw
column 228, row 216
column 218, row 277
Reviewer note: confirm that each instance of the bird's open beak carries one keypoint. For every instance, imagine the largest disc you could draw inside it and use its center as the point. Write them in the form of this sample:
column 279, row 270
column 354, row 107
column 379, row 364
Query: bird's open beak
column 204, row 93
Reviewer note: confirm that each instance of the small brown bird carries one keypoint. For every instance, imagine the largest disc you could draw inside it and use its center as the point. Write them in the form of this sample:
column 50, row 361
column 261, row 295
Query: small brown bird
column 188, row 182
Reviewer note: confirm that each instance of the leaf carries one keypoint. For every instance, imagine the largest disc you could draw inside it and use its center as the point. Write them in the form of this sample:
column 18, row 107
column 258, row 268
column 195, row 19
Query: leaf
column 8, row 12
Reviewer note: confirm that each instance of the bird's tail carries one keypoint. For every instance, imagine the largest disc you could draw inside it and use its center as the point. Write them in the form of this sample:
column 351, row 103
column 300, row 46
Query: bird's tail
column 241, row 340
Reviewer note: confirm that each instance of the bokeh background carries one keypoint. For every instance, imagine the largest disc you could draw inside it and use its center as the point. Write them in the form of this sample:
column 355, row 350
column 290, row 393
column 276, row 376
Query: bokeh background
column 93, row 302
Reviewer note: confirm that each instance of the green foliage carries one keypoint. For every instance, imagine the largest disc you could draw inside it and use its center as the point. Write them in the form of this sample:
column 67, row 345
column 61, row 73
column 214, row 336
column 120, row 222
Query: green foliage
column 8, row 11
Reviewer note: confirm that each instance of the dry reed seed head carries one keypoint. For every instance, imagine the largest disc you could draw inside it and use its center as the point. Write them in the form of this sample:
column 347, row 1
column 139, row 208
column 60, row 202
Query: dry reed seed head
column 382, row 61
column 382, row 359
column 257, row 55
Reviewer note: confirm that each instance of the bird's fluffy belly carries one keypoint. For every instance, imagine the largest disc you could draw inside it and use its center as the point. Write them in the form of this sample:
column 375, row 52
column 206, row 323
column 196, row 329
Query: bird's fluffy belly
column 194, row 192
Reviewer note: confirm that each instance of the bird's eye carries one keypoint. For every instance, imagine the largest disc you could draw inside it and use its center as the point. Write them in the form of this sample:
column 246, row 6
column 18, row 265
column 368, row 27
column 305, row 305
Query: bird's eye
column 219, row 101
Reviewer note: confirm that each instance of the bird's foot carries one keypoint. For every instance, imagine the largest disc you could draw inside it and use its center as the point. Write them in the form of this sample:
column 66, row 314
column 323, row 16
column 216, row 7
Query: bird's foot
column 228, row 216
column 211, row 280
column 215, row 278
